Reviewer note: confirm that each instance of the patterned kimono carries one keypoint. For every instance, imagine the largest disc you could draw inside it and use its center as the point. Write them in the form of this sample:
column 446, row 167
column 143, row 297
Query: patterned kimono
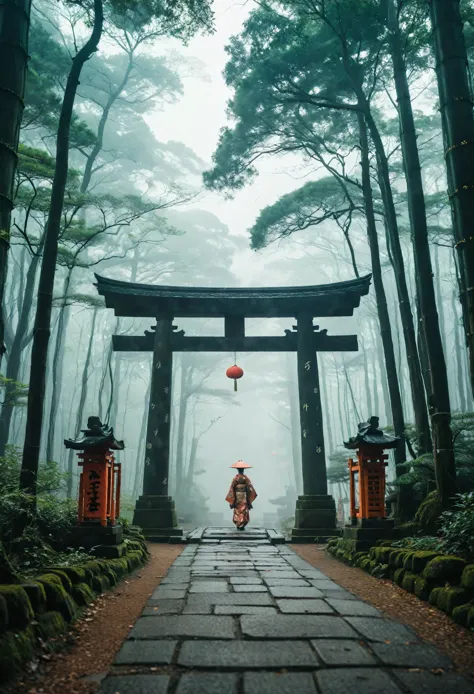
column 241, row 496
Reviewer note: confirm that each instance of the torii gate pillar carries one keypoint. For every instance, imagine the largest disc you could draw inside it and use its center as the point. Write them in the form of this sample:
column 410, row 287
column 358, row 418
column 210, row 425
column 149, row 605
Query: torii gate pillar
column 315, row 514
column 155, row 510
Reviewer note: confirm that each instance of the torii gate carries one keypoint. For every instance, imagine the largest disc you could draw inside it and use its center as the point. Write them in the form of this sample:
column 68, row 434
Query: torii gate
column 155, row 512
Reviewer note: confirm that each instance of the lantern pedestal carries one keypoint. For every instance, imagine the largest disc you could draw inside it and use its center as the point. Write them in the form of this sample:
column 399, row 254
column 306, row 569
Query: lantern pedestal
column 89, row 535
column 363, row 533
column 156, row 516
column 315, row 517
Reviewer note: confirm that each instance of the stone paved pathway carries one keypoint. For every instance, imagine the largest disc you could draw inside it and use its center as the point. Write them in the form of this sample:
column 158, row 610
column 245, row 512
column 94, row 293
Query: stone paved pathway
column 238, row 615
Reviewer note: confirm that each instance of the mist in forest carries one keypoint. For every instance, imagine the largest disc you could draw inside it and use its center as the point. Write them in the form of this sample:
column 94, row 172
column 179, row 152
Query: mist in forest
column 153, row 114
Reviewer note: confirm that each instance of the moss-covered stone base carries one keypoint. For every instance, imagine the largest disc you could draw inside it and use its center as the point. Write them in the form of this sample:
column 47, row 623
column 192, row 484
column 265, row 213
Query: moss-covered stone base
column 44, row 607
column 445, row 581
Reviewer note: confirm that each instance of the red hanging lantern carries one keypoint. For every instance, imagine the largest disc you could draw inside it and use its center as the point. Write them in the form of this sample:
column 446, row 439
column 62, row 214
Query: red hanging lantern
column 234, row 372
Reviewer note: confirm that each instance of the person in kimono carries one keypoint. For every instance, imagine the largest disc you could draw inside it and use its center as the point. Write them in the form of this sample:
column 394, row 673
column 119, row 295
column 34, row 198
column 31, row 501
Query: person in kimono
column 241, row 495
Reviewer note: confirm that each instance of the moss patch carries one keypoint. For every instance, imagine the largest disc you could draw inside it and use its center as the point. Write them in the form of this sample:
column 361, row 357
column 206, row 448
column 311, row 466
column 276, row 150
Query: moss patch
column 448, row 598
column 3, row 614
column 82, row 594
column 36, row 594
column 460, row 613
column 51, row 625
column 429, row 512
column 467, row 578
column 16, row 648
column 433, row 599
column 408, row 582
column 421, row 588
column 398, row 576
column 444, row 568
column 19, row 610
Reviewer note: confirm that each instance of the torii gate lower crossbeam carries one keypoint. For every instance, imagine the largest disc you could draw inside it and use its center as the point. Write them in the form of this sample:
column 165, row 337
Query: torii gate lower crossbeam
column 315, row 515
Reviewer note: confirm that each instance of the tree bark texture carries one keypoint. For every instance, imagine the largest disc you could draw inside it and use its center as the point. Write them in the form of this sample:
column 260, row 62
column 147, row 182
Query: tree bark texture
column 384, row 319
column 57, row 369
column 19, row 343
column 14, row 31
column 456, row 109
column 35, row 409
column 440, row 407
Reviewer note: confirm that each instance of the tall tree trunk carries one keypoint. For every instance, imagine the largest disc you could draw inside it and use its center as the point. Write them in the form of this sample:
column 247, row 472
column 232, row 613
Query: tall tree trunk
column 82, row 399
column 57, row 367
column 19, row 343
column 458, row 126
column 14, row 31
column 440, row 407
column 414, row 367
column 439, row 299
column 383, row 373
column 339, row 408
column 368, row 388
column 384, row 319
column 459, row 357
column 34, row 422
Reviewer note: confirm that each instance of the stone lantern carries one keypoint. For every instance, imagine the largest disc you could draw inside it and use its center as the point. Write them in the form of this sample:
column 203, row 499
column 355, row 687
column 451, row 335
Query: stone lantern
column 368, row 521
column 99, row 485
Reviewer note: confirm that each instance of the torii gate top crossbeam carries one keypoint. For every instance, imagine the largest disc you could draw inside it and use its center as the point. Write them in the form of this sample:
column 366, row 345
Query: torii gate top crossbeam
column 149, row 300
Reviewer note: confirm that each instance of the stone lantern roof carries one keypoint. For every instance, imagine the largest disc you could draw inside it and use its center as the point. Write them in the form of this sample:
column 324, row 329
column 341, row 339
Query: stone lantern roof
column 97, row 435
column 369, row 434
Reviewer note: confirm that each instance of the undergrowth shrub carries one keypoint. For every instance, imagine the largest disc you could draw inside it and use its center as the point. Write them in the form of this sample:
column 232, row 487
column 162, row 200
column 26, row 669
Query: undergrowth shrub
column 457, row 527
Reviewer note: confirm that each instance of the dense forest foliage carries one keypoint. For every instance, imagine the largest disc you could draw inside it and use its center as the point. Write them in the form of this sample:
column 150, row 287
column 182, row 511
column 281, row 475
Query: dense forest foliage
column 367, row 102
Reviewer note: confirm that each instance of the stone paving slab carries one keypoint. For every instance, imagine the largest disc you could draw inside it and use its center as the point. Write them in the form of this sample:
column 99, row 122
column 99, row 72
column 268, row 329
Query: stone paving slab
column 216, row 683
column 135, row 684
column 374, row 629
column 237, row 615
column 304, row 607
column 348, row 680
column 338, row 652
column 183, row 625
column 247, row 654
column 275, row 683
column 296, row 627
column 146, row 653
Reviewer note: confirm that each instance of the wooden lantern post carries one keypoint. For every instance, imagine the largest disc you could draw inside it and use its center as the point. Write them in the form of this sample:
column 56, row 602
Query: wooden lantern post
column 99, row 484
column 367, row 472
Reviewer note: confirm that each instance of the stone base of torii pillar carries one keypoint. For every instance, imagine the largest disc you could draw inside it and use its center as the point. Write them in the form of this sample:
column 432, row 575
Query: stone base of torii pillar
column 315, row 519
column 156, row 516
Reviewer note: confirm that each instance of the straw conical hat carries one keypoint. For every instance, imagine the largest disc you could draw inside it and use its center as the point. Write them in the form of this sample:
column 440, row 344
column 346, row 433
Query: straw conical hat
column 240, row 465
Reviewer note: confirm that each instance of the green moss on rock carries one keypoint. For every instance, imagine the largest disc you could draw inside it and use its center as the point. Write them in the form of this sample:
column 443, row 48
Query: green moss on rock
column 470, row 618
column 76, row 574
column 398, row 576
column 448, row 598
column 428, row 513
column 444, row 568
column 20, row 612
column 36, row 595
column 393, row 556
column 421, row 588
column 82, row 594
column 51, row 625
column 57, row 599
column 408, row 581
column 460, row 613
column 3, row 615
column 63, row 577
column 100, row 583
column 434, row 594
column 420, row 559
column 16, row 648
column 467, row 578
